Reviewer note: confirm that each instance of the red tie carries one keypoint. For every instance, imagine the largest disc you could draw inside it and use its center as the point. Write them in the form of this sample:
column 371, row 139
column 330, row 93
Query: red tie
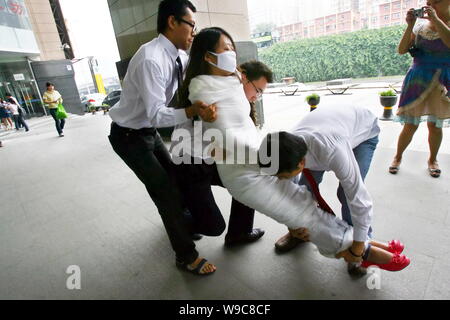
column 315, row 190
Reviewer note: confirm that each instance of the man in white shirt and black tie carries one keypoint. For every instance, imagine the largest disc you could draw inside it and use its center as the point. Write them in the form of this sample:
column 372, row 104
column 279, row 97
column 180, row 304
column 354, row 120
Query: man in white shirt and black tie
column 153, row 77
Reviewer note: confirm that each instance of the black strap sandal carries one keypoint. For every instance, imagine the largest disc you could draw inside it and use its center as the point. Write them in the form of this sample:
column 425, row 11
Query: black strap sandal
column 435, row 173
column 197, row 270
column 394, row 169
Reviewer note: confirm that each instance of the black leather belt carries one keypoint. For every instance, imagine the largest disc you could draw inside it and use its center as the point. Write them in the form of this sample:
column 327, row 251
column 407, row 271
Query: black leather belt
column 125, row 130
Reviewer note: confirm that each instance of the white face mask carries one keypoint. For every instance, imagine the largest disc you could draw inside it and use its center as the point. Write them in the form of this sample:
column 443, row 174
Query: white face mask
column 226, row 61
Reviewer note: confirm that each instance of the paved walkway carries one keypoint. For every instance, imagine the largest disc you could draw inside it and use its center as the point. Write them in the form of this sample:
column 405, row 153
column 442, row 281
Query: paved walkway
column 72, row 201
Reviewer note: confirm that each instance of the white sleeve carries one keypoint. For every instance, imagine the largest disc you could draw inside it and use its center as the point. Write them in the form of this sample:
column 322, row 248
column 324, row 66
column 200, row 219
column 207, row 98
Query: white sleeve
column 238, row 140
column 346, row 169
column 197, row 92
column 152, row 87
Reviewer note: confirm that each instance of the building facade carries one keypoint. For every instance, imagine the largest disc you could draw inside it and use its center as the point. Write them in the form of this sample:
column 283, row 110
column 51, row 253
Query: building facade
column 27, row 33
column 341, row 16
column 135, row 22
column 277, row 12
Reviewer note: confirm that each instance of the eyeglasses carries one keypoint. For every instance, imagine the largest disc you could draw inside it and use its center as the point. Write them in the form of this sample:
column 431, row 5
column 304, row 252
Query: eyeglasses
column 194, row 27
column 259, row 92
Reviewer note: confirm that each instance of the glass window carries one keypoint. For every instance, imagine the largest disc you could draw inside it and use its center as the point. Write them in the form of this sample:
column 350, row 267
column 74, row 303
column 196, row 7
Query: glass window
column 13, row 13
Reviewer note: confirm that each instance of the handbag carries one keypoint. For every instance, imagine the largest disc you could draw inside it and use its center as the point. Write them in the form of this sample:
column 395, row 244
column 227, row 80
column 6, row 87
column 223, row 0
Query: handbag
column 22, row 111
column 61, row 112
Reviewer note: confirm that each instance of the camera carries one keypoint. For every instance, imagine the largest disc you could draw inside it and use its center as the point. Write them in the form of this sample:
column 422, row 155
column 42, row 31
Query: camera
column 414, row 51
column 419, row 13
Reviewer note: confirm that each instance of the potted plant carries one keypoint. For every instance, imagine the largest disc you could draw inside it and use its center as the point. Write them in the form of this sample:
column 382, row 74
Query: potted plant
column 388, row 99
column 92, row 109
column 105, row 108
column 313, row 100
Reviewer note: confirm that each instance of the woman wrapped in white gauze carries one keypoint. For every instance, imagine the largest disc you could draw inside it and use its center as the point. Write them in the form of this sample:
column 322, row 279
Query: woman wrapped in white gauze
column 282, row 200
column 211, row 78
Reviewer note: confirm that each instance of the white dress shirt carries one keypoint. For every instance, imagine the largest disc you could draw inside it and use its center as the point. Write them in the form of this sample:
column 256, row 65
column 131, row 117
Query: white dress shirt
column 149, row 86
column 331, row 133
column 282, row 200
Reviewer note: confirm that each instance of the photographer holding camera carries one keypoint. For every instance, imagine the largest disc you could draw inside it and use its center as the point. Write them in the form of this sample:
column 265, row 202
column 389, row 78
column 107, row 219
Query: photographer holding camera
column 425, row 93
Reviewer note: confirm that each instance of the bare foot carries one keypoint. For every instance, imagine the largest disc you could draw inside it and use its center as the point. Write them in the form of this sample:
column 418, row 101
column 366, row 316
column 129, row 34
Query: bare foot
column 379, row 245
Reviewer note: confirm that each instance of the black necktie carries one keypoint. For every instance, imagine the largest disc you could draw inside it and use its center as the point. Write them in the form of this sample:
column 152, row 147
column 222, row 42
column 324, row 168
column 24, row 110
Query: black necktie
column 179, row 77
column 175, row 102
column 177, row 97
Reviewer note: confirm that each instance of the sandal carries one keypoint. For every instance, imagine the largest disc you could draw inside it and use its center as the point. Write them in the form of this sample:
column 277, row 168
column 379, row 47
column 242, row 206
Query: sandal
column 434, row 172
column 394, row 169
column 197, row 270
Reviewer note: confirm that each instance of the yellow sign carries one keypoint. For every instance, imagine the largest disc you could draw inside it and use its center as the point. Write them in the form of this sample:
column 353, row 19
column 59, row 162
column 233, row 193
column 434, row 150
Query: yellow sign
column 100, row 85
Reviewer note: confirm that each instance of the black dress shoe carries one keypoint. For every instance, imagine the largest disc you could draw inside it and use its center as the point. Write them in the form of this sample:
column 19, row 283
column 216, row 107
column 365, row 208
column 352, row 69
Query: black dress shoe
column 252, row 236
column 287, row 243
column 196, row 236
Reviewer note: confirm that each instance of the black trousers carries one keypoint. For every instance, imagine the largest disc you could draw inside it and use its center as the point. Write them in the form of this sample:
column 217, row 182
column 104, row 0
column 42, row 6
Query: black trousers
column 59, row 123
column 195, row 181
column 18, row 121
column 145, row 153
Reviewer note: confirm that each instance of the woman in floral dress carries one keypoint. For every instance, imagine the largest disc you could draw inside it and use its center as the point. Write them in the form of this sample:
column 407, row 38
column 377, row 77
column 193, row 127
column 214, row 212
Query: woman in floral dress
column 425, row 93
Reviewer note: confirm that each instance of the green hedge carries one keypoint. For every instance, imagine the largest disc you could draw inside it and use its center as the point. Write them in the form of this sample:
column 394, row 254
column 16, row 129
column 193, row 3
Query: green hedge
column 360, row 54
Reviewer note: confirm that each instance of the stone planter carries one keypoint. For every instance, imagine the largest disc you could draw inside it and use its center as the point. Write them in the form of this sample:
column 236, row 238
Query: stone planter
column 388, row 102
column 288, row 80
column 313, row 102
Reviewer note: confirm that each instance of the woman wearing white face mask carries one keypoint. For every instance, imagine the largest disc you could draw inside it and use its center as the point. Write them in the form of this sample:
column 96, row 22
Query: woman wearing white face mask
column 212, row 62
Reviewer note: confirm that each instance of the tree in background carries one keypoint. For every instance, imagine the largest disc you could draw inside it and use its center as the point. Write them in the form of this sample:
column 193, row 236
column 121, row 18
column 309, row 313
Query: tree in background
column 360, row 54
column 264, row 27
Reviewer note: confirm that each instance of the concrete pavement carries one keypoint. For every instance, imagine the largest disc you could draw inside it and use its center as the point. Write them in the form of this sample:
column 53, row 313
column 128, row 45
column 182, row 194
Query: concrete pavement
column 72, row 201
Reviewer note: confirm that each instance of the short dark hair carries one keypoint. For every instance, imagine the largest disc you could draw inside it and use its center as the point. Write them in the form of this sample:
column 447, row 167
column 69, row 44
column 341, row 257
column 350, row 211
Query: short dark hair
column 176, row 8
column 48, row 84
column 7, row 94
column 254, row 70
column 292, row 150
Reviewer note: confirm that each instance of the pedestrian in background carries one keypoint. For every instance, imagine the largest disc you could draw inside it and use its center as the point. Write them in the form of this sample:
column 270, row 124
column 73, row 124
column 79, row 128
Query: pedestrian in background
column 17, row 112
column 5, row 114
column 21, row 119
column 52, row 99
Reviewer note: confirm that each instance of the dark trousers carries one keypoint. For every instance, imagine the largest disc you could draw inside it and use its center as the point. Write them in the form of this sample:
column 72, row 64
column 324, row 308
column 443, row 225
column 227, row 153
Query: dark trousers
column 59, row 123
column 19, row 121
column 195, row 181
column 145, row 153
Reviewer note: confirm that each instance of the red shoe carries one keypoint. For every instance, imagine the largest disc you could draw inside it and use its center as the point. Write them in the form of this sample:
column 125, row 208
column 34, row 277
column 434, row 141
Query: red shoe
column 395, row 246
column 398, row 262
